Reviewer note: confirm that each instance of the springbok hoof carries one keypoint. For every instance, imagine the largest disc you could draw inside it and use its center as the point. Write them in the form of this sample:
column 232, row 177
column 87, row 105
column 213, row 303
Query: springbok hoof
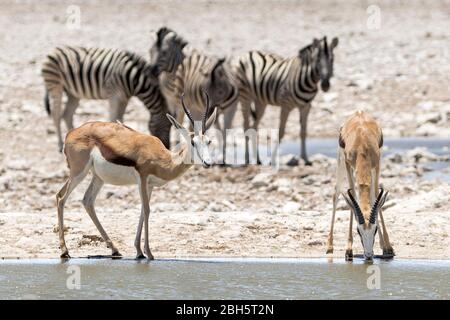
column 349, row 255
column 329, row 250
column 116, row 255
column 293, row 162
column 140, row 257
column 308, row 163
column 65, row 255
column 389, row 252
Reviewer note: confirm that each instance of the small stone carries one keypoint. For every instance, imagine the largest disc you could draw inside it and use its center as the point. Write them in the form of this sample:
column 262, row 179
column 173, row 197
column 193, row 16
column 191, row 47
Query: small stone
column 290, row 207
column 261, row 180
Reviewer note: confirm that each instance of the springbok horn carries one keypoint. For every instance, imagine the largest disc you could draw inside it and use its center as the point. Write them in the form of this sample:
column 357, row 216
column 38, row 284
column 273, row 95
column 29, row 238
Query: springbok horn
column 208, row 107
column 186, row 110
column 352, row 202
column 379, row 202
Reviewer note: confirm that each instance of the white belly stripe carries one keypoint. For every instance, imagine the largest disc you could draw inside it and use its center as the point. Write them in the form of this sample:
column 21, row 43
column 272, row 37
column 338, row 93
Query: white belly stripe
column 112, row 173
column 119, row 175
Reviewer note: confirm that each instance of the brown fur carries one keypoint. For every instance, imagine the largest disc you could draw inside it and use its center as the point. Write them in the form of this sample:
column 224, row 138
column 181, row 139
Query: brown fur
column 121, row 145
column 361, row 138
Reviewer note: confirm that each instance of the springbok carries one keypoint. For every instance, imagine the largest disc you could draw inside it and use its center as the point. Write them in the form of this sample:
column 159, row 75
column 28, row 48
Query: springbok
column 119, row 155
column 360, row 140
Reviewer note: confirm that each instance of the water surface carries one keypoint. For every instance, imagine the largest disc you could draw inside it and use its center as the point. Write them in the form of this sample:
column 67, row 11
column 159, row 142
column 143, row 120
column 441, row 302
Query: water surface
column 224, row 279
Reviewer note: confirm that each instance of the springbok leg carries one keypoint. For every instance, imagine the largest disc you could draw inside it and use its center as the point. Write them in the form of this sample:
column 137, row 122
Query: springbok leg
column 88, row 203
column 349, row 251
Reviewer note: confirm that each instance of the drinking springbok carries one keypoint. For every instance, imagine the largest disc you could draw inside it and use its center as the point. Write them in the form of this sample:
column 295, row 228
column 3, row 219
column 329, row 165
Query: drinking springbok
column 360, row 140
column 119, row 155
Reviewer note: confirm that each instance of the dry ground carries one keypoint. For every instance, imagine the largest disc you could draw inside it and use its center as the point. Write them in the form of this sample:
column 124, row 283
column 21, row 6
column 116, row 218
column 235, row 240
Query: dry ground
column 399, row 72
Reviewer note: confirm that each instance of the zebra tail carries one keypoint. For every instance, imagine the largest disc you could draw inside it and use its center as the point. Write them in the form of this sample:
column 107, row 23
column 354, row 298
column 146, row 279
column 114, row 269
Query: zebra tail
column 47, row 103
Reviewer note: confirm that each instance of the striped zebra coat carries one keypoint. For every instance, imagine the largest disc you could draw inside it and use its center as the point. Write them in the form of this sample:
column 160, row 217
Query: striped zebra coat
column 196, row 73
column 286, row 82
column 95, row 73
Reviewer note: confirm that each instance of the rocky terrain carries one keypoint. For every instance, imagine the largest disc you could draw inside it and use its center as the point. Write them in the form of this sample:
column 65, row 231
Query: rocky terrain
column 399, row 73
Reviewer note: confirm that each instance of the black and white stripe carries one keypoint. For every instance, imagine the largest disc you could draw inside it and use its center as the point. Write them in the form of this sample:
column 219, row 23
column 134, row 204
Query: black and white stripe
column 197, row 73
column 95, row 73
column 183, row 70
column 289, row 83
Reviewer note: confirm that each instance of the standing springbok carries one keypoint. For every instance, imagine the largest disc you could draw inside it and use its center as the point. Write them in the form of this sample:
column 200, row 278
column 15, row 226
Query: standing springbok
column 360, row 140
column 119, row 155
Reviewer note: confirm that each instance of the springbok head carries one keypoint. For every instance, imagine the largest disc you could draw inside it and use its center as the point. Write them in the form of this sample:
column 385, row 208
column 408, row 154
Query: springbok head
column 198, row 139
column 367, row 229
column 166, row 54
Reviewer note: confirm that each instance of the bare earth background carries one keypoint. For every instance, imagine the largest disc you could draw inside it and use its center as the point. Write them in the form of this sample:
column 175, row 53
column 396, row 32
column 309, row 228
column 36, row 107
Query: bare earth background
column 399, row 73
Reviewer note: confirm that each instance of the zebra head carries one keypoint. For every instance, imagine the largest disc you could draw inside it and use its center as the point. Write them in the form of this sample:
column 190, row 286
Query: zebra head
column 166, row 54
column 218, row 83
column 323, row 57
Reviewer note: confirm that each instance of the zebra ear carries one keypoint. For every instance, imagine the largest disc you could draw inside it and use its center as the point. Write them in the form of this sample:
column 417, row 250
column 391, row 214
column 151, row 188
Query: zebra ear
column 216, row 71
column 334, row 43
column 316, row 42
column 162, row 32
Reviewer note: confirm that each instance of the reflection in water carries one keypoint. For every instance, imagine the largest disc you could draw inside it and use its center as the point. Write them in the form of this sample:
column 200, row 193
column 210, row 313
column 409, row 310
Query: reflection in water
column 226, row 279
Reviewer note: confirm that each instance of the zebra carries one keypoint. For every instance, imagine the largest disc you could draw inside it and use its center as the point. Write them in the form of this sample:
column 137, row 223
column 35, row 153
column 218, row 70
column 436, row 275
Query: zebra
column 293, row 82
column 96, row 73
column 190, row 72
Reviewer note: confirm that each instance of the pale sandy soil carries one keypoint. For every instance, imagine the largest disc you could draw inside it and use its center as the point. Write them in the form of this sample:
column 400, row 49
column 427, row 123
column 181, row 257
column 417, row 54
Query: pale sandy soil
column 400, row 73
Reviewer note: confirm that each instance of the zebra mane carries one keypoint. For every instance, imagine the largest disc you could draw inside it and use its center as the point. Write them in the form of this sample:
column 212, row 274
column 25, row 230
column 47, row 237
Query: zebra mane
column 305, row 52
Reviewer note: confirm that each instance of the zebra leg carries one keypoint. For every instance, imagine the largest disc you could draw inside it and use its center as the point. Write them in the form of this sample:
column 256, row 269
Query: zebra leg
column 259, row 111
column 304, row 111
column 117, row 106
column 228, row 117
column 55, row 96
column 69, row 111
column 246, row 115
column 159, row 126
column 284, row 114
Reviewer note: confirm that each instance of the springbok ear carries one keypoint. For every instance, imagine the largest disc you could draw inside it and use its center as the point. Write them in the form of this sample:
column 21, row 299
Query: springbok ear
column 174, row 122
column 380, row 143
column 211, row 119
column 334, row 43
column 341, row 140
